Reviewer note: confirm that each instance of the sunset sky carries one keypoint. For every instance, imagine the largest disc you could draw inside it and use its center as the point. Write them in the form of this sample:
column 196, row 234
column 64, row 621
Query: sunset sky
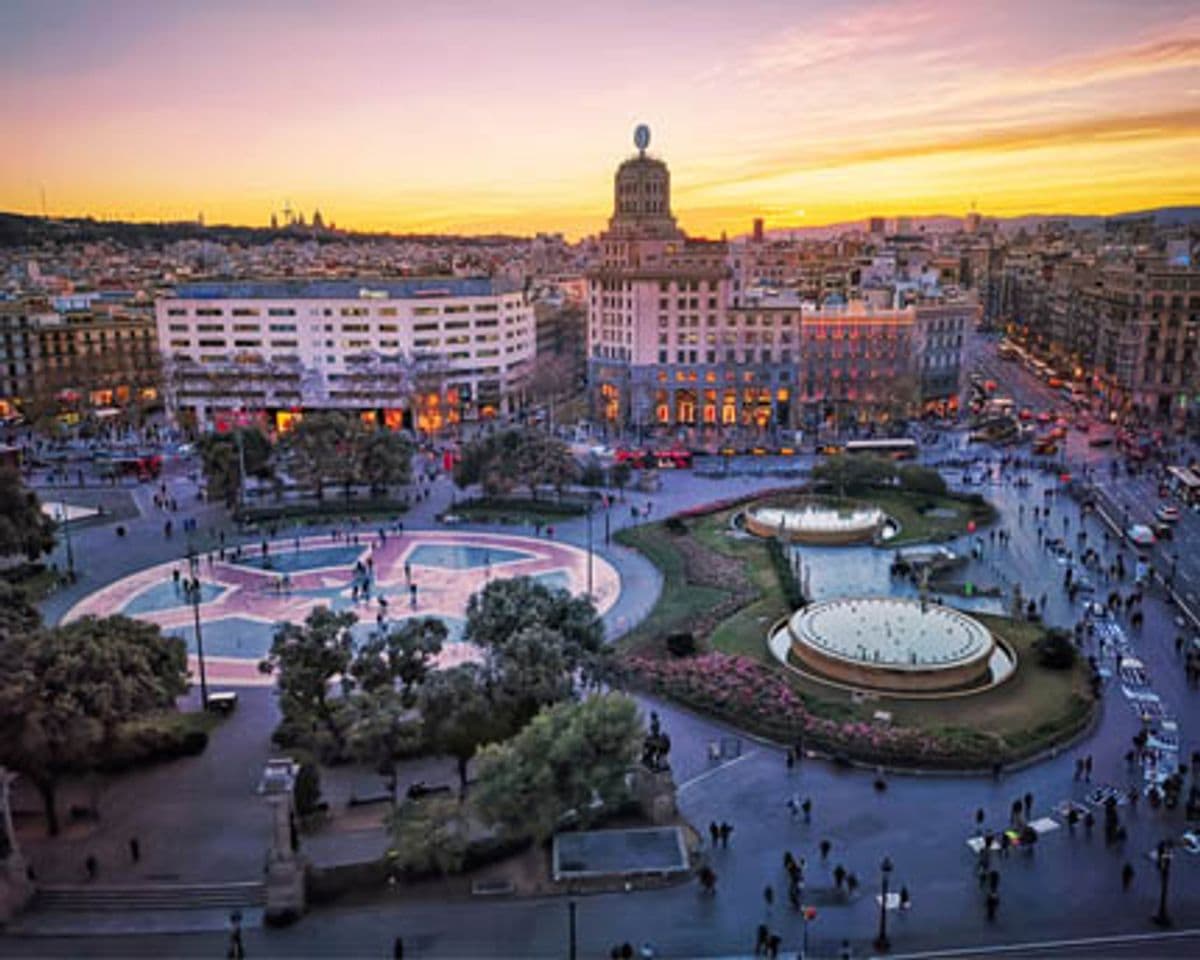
column 452, row 115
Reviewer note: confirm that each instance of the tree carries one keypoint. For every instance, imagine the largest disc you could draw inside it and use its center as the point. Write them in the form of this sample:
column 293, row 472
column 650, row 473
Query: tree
column 306, row 659
column 920, row 479
column 1056, row 650
column 17, row 613
column 504, row 608
column 24, row 528
column 66, row 691
column 513, row 458
column 430, row 836
column 853, row 472
column 572, row 757
column 323, row 447
column 386, row 460
column 553, row 377
column 459, row 715
column 222, row 461
column 382, row 730
column 528, row 672
column 401, row 656
column 619, row 475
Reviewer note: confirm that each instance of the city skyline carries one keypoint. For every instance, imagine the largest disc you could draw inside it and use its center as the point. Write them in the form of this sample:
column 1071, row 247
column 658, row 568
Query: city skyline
column 468, row 119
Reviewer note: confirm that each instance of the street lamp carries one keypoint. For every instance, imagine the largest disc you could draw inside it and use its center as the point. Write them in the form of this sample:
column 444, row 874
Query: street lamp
column 66, row 525
column 589, row 549
column 572, row 951
column 882, row 944
column 1162, row 859
column 194, row 590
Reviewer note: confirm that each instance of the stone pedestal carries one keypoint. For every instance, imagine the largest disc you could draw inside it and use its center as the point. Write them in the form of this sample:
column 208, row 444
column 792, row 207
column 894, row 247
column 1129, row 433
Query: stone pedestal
column 285, row 867
column 16, row 889
column 654, row 791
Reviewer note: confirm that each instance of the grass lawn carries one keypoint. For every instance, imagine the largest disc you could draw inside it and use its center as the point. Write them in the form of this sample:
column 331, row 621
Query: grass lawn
column 520, row 512
column 1033, row 709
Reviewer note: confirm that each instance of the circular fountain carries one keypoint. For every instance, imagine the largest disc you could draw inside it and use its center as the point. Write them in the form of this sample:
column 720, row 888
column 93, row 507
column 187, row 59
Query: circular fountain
column 821, row 522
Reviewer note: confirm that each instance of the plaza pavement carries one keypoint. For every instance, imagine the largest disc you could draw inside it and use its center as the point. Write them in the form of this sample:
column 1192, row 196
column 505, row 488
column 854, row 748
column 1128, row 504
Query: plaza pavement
column 1068, row 887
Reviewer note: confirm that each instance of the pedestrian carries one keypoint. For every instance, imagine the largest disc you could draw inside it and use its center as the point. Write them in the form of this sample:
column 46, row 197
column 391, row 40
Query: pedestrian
column 708, row 880
column 905, row 900
column 760, row 941
column 398, row 949
column 993, row 904
column 773, row 943
column 769, row 896
column 1126, row 875
column 824, row 848
column 851, row 884
column 91, row 866
column 714, row 832
column 791, row 758
column 979, row 815
column 1087, row 767
column 135, row 849
column 726, row 830
column 1027, row 802
column 839, row 876
column 806, row 806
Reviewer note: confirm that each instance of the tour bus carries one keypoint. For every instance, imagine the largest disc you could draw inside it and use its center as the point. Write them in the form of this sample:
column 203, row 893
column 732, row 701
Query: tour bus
column 143, row 466
column 663, row 459
column 1184, row 484
column 899, row 448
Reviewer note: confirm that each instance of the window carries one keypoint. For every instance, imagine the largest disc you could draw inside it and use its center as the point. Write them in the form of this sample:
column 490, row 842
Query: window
column 281, row 312
column 283, row 328
column 424, row 327
column 178, row 328
column 209, row 312
column 245, row 312
column 176, row 312
column 245, row 328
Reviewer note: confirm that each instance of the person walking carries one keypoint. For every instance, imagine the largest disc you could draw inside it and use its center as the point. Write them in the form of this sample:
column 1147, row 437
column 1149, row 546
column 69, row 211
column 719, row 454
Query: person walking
column 824, row 849
column 398, row 948
column 714, row 833
column 1027, row 804
column 726, row 830
column 769, row 896
column 91, row 866
column 135, row 849
column 992, row 905
column 762, row 935
column 806, row 807
column 1126, row 875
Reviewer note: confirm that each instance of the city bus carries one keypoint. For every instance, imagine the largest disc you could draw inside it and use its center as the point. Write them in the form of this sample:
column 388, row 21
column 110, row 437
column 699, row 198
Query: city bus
column 662, row 459
column 899, row 448
column 1184, row 484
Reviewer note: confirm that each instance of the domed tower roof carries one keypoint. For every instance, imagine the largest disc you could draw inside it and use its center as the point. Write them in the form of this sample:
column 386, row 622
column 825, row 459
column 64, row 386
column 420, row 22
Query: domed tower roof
column 642, row 194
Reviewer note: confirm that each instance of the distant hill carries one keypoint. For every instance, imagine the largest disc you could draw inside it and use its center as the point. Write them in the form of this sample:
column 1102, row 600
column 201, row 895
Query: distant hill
column 18, row 229
column 944, row 223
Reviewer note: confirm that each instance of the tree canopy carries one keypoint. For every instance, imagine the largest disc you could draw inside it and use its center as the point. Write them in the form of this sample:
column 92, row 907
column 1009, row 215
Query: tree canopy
column 66, row 690
column 222, row 461
column 459, row 715
column 521, row 457
column 572, row 757
column 498, row 613
column 24, row 529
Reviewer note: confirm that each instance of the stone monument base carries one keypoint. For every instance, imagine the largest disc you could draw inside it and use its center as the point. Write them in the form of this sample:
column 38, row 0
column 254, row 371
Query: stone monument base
column 16, row 889
column 285, row 891
column 654, row 791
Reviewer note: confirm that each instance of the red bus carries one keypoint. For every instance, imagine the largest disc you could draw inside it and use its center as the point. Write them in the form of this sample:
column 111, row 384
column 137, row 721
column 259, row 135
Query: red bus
column 661, row 459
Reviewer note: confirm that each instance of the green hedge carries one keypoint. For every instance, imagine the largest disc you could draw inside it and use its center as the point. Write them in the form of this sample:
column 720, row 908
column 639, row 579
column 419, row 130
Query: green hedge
column 155, row 739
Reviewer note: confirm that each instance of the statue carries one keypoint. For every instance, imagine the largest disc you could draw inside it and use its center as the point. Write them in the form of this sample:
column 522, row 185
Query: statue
column 655, row 747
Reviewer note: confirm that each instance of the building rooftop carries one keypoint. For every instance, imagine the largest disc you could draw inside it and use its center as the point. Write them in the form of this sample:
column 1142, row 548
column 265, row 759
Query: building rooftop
column 408, row 288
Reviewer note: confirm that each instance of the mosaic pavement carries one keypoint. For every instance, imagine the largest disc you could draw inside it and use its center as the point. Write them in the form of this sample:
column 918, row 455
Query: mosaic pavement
column 244, row 598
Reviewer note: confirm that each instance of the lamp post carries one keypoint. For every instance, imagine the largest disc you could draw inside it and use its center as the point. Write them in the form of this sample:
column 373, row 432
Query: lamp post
column 607, row 522
column 1162, row 859
column 66, row 525
column 882, row 944
column 194, row 590
column 589, row 549
column 572, row 951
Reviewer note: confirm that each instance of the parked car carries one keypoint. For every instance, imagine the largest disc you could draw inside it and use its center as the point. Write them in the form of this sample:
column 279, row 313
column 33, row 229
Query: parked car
column 1167, row 513
column 1141, row 535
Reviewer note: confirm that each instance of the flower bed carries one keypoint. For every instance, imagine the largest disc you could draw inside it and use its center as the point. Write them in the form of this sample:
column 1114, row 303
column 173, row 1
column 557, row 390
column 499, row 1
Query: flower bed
column 748, row 694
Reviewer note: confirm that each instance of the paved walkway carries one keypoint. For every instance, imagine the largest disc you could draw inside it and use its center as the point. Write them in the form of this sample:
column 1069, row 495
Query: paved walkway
column 1068, row 887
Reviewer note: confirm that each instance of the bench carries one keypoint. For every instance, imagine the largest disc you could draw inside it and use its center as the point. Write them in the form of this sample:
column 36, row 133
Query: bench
column 382, row 796
column 492, row 888
column 224, row 702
